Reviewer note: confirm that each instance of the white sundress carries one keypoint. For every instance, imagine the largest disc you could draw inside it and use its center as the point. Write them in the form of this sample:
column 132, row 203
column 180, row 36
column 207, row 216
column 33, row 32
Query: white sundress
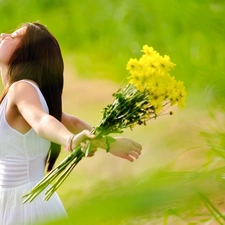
column 22, row 165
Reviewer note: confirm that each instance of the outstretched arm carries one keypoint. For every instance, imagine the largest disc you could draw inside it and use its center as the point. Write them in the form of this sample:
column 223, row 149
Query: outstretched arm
column 31, row 113
column 46, row 126
column 74, row 124
column 122, row 147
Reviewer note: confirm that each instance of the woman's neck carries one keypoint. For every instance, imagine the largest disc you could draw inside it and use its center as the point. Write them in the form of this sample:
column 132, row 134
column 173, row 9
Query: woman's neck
column 4, row 71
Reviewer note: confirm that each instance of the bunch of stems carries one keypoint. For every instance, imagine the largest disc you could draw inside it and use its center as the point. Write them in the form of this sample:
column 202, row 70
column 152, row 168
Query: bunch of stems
column 63, row 170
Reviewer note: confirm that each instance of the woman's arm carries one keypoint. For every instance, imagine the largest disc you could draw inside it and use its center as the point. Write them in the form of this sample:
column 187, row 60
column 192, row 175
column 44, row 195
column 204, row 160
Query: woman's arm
column 122, row 147
column 46, row 126
column 24, row 97
column 74, row 124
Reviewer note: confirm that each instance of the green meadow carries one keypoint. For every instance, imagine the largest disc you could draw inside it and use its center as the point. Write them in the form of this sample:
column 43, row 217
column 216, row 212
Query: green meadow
column 179, row 178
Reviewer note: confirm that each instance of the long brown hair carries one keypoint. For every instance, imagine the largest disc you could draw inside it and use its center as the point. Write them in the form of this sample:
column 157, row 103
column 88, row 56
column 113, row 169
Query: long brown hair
column 38, row 57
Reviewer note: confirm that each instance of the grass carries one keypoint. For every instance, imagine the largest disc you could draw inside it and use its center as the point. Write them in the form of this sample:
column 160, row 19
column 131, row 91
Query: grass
column 182, row 154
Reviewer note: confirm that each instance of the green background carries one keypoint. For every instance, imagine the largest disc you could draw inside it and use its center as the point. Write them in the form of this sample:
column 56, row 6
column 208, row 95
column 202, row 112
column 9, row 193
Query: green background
column 183, row 154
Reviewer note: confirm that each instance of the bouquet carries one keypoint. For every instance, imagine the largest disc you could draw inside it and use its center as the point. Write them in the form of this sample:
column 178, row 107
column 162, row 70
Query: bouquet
column 149, row 92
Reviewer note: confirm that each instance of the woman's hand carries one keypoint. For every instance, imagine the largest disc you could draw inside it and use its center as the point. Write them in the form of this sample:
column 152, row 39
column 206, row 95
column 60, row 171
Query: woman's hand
column 122, row 147
column 125, row 148
column 83, row 138
column 93, row 149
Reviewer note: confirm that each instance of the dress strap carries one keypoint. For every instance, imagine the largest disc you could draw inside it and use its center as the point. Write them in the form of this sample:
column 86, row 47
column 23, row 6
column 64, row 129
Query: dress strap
column 42, row 99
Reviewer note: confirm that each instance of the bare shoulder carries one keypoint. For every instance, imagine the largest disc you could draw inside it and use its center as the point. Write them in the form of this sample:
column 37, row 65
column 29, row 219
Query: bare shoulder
column 21, row 96
column 22, row 91
column 22, row 86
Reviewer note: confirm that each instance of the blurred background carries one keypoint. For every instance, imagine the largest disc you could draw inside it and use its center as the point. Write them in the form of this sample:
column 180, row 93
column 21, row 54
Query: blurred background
column 179, row 177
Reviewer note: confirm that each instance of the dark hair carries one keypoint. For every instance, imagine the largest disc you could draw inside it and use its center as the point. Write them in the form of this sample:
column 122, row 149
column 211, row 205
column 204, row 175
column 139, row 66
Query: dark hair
column 38, row 57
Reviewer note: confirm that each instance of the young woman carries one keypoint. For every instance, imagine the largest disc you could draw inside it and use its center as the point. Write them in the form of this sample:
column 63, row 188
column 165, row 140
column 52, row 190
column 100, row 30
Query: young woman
column 32, row 125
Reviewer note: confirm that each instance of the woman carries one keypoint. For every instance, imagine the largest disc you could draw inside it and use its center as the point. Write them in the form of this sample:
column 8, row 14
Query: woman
column 32, row 125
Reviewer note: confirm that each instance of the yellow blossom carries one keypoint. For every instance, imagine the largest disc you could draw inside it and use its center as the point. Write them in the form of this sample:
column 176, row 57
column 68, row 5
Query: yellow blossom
column 149, row 51
column 151, row 73
column 132, row 64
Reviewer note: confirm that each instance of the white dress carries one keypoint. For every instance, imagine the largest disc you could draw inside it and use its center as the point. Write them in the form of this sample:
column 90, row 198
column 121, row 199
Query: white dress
column 22, row 165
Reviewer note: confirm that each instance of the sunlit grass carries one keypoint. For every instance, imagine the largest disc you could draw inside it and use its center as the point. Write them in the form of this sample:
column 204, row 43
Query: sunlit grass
column 182, row 154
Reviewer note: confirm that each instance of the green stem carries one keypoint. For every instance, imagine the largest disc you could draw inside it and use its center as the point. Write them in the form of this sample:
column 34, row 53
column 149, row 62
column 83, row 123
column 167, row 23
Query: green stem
column 62, row 178
column 51, row 176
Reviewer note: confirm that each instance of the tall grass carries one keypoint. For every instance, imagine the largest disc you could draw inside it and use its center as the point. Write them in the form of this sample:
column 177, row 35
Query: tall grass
column 103, row 34
column 179, row 178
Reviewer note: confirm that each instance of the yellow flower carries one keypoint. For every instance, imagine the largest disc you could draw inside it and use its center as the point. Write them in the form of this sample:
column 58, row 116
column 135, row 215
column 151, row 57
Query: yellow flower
column 168, row 62
column 163, row 64
column 181, row 94
column 149, row 51
column 132, row 64
column 151, row 73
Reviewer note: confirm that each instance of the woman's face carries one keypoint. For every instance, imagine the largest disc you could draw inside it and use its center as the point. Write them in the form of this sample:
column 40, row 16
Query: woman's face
column 8, row 44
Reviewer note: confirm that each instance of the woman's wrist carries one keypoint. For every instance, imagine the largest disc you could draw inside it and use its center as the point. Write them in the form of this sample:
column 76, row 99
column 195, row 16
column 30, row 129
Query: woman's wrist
column 69, row 145
column 104, row 142
column 100, row 143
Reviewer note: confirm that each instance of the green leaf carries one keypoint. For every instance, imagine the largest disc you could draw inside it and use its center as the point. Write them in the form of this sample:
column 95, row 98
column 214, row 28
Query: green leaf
column 108, row 141
column 88, row 149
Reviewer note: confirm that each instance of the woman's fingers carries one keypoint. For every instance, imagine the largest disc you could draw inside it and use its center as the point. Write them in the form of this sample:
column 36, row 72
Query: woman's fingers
column 134, row 154
column 126, row 148
column 137, row 145
column 136, row 150
column 81, row 137
column 84, row 146
column 129, row 158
